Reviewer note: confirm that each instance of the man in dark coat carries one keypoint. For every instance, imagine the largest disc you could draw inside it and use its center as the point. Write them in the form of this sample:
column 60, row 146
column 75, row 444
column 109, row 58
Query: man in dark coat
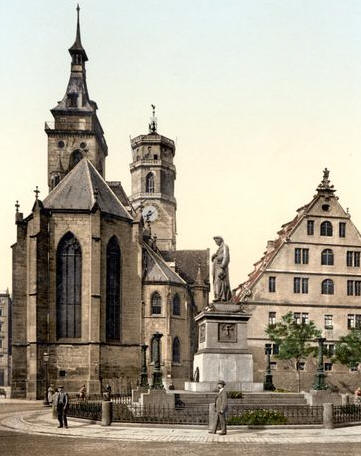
column 61, row 402
column 221, row 406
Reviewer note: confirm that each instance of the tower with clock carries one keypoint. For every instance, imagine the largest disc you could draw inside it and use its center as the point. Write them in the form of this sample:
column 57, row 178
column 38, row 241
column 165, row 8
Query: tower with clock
column 153, row 174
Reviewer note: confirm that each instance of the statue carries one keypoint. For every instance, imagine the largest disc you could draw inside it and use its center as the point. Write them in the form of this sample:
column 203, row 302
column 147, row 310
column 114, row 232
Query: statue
column 220, row 260
column 196, row 375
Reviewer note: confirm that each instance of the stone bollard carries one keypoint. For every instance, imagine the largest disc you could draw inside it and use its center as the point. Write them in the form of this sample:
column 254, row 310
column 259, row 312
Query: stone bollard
column 212, row 416
column 328, row 415
column 345, row 399
column 106, row 413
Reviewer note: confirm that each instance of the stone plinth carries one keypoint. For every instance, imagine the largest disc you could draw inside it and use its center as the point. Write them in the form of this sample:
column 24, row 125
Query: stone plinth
column 223, row 350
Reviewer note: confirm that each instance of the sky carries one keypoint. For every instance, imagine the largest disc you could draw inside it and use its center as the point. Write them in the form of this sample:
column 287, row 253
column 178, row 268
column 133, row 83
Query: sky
column 259, row 95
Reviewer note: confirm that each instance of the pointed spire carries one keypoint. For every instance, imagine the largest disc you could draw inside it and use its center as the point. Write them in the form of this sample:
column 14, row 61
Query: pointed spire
column 325, row 186
column 199, row 280
column 77, row 48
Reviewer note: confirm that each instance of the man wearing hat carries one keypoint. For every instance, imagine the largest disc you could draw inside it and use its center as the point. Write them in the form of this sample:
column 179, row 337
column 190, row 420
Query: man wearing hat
column 61, row 402
column 221, row 405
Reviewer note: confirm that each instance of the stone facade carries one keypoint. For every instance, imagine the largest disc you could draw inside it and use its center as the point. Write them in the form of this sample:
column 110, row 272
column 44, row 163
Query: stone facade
column 290, row 278
column 5, row 339
column 62, row 314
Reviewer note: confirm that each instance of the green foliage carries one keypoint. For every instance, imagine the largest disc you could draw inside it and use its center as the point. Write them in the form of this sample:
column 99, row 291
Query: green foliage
column 259, row 416
column 234, row 395
column 348, row 349
column 294, row 340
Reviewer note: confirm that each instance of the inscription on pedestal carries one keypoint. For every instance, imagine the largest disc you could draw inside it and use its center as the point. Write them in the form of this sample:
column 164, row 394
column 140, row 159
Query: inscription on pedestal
column 202, row 333
column 227, row 332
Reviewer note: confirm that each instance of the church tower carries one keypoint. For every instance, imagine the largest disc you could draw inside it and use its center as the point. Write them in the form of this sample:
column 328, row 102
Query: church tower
column 153, row 175
column 76, row 132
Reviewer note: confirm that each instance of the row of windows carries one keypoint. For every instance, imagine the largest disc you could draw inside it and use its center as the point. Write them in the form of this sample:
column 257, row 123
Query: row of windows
column 326, row 228
column 353, row 320
column 68, row 290
column 300, row 285
column 176, row 350
column 69, row 287
column 156, row 304
column 327, row 257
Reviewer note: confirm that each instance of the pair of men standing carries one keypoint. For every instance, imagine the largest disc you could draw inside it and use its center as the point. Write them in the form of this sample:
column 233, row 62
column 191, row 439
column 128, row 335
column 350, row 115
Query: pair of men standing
column 61, row 404
column 220, row 406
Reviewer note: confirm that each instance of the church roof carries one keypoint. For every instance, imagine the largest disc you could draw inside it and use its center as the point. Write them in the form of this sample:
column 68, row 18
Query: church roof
column 82, row 189
column 189, row 263
column 157, row 270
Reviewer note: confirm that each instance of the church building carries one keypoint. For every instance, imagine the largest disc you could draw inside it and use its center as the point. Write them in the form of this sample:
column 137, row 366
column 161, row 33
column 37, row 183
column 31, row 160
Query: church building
column 96, row 272
column 313, row 270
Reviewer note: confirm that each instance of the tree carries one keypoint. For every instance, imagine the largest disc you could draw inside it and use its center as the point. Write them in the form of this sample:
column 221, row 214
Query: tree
column 294, row 340
column 348, row 349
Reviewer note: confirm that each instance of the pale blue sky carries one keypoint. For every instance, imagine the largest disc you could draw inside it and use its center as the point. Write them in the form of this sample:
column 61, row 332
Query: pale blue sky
column 261, row 96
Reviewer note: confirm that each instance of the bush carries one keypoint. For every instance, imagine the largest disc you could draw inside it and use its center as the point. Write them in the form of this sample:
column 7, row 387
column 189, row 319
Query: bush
column 259, row 416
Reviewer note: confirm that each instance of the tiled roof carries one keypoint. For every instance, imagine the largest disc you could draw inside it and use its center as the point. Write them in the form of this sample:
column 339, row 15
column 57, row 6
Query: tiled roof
column 187, row 264
column 157, row 270
column 77, row 191
column 272, row 249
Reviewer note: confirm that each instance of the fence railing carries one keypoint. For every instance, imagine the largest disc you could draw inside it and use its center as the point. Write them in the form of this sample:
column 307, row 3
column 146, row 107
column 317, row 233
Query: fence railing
column 159, row 415
column 90, row 410
column 122, row 410
column 346, row 414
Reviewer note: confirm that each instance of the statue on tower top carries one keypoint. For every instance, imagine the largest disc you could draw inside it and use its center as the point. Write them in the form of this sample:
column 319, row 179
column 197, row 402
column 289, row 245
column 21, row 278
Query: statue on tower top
column 153, row 122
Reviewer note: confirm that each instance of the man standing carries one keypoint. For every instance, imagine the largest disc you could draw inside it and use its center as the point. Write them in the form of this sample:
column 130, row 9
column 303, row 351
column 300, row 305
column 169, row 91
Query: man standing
column 61, row 402
column 221, row 405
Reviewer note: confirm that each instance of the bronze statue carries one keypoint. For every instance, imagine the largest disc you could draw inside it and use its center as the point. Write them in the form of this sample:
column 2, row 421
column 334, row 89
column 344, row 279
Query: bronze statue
column 220, row 260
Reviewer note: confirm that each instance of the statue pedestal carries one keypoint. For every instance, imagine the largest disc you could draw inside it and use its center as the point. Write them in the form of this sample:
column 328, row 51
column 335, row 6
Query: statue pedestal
column 223, row 350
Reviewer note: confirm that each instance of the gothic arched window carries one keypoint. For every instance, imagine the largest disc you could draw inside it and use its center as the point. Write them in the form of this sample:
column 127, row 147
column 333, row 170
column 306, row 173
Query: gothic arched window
column 176, row 351
column 113, row 297
column 156, row 304
column 68, row 287
column 327, row 257
column 176, row 305
column 149, row 183
column 327, row 287
column 75, row 158
column 326, row 228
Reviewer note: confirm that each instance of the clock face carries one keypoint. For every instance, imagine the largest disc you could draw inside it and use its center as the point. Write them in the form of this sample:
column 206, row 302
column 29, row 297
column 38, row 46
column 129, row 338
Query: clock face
column 150, row 213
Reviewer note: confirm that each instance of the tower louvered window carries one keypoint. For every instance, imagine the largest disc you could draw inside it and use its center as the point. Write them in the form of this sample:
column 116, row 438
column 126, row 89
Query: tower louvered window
column 68, row 287
column 113, row 309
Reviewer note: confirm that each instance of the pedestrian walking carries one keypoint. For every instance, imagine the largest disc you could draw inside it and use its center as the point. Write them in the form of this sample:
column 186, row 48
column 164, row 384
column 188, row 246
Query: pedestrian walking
column 220, row 406
column 61, row 402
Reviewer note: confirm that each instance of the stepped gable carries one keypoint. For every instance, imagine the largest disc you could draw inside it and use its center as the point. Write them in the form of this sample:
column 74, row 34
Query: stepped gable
column 325, row 191
column 82, row 189
column 188, row 263
column 155, row 269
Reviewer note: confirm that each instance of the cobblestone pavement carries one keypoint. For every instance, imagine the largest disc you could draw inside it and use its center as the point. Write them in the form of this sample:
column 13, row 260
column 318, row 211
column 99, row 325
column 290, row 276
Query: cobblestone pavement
column 24, row 423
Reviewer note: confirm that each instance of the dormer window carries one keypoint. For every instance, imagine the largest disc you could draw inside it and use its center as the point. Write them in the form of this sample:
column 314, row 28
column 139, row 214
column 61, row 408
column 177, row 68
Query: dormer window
column 72, row 100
